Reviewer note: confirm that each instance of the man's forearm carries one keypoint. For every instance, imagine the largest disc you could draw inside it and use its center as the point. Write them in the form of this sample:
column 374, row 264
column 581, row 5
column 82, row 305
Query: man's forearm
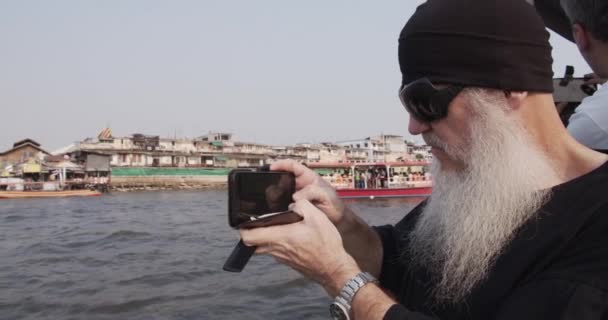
column 362, row 243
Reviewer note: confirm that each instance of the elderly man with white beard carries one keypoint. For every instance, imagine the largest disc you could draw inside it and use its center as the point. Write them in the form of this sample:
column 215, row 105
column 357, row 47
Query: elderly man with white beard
column 517, row 224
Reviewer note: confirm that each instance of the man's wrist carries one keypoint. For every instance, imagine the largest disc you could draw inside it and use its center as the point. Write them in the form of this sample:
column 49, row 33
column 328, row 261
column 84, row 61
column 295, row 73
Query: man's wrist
column 342, row 307
column 341, row 275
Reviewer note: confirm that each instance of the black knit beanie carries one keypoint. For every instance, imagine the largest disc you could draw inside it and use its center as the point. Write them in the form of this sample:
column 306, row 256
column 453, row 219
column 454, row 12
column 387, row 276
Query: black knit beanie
column 500, row 44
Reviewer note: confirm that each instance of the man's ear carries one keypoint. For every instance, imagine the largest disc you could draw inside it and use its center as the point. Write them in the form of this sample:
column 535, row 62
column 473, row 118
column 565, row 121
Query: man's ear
column 581, row 37
column 516, row 98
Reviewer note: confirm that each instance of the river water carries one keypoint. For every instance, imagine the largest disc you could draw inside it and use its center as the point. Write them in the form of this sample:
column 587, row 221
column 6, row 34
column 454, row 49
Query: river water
column 149, row 255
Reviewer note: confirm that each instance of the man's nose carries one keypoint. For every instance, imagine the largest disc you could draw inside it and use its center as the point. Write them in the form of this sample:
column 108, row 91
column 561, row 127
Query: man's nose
column 417, row 127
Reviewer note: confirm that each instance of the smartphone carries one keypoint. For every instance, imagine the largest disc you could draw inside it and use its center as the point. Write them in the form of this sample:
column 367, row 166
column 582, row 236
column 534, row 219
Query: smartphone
column 260, row 198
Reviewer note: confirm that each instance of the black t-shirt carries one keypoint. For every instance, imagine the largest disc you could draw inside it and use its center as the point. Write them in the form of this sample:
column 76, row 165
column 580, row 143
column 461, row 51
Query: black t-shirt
column 555, row 268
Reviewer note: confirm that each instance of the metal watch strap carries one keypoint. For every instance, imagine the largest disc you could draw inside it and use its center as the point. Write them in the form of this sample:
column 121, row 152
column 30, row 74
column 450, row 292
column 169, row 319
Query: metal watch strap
column 351, row 287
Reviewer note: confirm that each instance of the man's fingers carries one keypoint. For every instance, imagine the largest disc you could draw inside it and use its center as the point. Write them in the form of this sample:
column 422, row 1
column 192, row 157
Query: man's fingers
column 289, row 165
column 264, row 236
column 306, row 209
column 258, row 237
column 304, row 176
column 595, row 81
column 263, row 249
column 311, row 193
column 592, row 78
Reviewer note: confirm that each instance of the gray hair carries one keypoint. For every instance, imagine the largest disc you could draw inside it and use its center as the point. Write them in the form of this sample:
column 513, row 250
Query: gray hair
column 591, row 14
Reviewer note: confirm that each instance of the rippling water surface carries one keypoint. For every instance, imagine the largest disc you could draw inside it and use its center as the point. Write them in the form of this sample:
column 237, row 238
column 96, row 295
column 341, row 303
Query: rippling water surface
column 151, row 255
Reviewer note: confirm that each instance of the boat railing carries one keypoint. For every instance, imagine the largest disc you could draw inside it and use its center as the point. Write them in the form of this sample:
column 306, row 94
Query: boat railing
column 411, row 184
column 393, row 183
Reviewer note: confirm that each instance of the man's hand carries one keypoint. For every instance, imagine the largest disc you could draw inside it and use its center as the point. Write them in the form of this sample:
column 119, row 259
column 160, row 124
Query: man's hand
column 312, row 246
column 360, row 241
column 592, row 79
column 310, row 186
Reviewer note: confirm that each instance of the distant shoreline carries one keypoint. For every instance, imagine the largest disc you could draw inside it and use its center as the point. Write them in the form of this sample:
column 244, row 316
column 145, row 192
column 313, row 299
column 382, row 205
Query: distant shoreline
column 127, row 188
column 154, row 183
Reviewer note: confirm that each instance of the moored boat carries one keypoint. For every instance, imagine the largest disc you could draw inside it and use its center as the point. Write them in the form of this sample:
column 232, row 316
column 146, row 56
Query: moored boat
column 378, row 179
column 48, row 194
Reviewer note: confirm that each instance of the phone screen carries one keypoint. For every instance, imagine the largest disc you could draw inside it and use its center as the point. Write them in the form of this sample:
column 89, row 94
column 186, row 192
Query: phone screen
column 260, row 193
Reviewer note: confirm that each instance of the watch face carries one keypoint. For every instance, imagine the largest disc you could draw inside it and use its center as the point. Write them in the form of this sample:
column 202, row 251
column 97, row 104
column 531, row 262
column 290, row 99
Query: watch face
column 338, row 312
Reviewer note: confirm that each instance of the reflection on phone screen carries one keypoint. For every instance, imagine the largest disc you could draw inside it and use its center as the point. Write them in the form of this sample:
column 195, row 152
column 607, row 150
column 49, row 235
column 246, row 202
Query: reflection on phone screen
column 263, row 194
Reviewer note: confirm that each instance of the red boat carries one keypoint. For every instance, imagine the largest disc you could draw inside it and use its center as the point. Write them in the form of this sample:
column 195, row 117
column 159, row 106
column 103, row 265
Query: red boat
column 378, row 179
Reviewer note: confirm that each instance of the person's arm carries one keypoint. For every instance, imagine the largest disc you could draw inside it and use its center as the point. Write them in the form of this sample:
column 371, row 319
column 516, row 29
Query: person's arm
column 362, row 242
column 586, row 131
column 542, row 299
column 314, row 247
column 377, row 301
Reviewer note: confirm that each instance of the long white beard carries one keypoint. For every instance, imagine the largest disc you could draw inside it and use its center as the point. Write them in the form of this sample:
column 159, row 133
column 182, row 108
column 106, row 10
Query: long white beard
column 473, row 214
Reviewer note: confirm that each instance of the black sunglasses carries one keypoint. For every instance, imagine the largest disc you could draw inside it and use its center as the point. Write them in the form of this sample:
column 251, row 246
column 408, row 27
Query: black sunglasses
column 427, row 103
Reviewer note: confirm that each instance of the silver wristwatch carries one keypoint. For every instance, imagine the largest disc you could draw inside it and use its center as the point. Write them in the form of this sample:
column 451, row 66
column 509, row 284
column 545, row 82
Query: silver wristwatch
column 340, row 308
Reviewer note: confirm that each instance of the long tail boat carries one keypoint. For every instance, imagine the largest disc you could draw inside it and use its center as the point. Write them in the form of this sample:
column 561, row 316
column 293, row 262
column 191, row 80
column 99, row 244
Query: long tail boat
column 48, row 194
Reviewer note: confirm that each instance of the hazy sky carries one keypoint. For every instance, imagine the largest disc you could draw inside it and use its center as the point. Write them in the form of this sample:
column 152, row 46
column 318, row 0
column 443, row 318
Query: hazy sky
column 276, row 72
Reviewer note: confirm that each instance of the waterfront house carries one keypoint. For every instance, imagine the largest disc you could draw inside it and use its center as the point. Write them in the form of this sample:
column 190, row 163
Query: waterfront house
column 382, row 148
column 332, row 152
column 21, row 152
